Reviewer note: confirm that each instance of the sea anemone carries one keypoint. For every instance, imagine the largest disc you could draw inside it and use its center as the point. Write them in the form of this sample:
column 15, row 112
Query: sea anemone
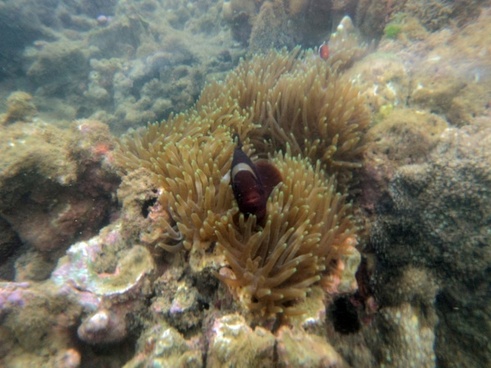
column 189, row 157
column 300, row 101
column 304, row 235
column 310, row 122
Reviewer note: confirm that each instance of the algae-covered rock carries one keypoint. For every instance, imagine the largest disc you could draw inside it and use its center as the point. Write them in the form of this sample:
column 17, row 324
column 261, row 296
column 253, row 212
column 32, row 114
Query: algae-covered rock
column 163, row 347
column 36, row 321
column 295, row 348
column 405, row 136
column 55, row 184
column 108, row 298
column 58, row 67
column 232, row 343
column 19, row 108
column 409, row 341
column 446, row 72
column 436, row 217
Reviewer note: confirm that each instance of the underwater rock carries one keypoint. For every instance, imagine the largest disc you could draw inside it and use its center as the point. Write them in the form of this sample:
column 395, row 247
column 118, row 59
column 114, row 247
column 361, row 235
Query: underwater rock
column 19, row 108
column 108, row 297
column 9, row 245
column 295, row 348
column 410, row 342
column 371, row 16
column 55, row 184
column 183, row 311
column 162, row 346
column 232, row 343
column 104, row 326
column 343, row 280
column 35, row 320
column 435, row 216
column 70, row 358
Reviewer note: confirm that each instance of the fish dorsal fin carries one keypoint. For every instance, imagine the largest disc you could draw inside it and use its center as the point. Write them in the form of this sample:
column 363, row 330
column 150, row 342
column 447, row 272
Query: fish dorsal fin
column 269, row 175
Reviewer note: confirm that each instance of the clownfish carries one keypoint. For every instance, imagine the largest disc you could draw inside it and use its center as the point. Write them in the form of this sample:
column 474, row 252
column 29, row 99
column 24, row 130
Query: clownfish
column 324, row 51
column 252, row 183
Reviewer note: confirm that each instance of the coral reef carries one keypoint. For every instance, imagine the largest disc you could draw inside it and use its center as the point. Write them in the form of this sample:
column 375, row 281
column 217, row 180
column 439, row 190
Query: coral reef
column 87, row 285
column 126, row 64
column 374, row 250
column 122, row 63
column 441, row 73
column 108, row 297
column 163, row 346
column 36, row 321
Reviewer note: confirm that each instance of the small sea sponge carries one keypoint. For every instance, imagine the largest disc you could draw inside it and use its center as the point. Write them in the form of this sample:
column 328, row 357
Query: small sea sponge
column 305, row 233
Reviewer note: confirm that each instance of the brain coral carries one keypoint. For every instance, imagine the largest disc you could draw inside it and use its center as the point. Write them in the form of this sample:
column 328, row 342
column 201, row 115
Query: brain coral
column 309, row 120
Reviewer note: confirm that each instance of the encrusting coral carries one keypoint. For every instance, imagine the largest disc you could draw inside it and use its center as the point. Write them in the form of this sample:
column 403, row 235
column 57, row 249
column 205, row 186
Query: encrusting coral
column 311, row 122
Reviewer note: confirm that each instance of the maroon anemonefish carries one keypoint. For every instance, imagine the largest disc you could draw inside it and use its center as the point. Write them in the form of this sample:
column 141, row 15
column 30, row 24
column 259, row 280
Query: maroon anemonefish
column 324, row 51
column 252, row 183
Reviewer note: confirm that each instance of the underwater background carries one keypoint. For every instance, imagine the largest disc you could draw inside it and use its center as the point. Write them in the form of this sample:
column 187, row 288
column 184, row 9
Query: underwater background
column 129, row 239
